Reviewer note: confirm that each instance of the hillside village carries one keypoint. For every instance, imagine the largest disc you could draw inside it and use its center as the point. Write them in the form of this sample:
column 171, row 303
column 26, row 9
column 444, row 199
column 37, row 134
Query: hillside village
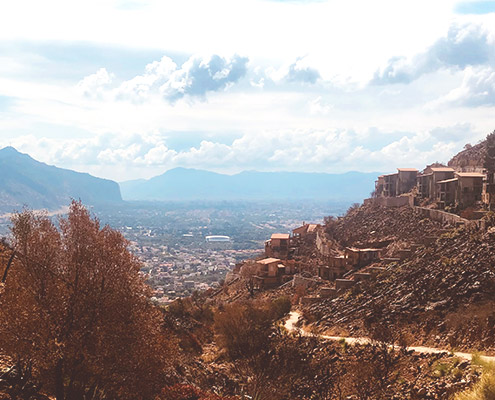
column 456, row 195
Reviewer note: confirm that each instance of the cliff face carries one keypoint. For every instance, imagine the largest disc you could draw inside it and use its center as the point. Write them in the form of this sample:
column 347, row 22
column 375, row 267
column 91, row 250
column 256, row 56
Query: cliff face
column 25, row 181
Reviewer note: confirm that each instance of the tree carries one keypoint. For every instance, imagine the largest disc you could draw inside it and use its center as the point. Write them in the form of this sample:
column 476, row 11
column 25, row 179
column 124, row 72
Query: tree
column 489, row 161
column 75, row 310
column 248, row 273
column 489, row 165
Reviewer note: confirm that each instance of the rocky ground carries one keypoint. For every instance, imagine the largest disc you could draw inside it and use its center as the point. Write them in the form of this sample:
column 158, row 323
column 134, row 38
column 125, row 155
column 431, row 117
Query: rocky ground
column 377, row 226
column 470, row 156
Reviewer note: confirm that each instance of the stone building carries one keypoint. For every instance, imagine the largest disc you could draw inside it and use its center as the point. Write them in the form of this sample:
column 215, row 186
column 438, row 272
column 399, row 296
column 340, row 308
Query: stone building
column 427, row 181
column 278, row 245
column 391, row 185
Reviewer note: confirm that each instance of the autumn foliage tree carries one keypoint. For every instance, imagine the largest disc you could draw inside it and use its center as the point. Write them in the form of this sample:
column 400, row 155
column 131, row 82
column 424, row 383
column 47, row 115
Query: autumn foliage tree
column 75, row 312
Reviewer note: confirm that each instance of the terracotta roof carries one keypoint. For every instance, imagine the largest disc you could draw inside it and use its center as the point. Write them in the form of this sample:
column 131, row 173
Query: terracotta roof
column 280, row 236
column 470, row 174
column 407, row 169
column 268, row 261
column 442, row 169
column 312, row 227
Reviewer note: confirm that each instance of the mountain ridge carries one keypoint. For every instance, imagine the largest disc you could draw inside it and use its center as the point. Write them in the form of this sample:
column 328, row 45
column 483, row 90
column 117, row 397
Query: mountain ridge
column 191, row 184
column 28, row 182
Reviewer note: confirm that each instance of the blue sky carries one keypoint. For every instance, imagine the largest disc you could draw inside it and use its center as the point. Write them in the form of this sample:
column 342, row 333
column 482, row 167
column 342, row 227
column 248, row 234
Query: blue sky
column 128, row 89
column 475, row 7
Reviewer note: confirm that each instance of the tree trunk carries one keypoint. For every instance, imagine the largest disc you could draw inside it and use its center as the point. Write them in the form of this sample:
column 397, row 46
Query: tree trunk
column 59, row 380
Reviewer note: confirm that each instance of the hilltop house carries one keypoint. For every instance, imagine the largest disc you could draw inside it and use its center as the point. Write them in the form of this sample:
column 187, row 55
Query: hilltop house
column 470, row 188
column 427, row 181
column 464, row 190
column 392, row 185
column 305, row 231
column 353, row 258
column 272, row 272
column 278, row 245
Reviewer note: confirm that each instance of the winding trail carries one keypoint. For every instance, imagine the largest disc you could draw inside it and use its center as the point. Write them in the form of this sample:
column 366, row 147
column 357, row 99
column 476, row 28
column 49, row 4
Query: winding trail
column 294, row 316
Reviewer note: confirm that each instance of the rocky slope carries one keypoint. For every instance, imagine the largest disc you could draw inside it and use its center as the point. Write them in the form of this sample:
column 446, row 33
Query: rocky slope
column 371, row 225
column 471, row 156
column 441, row 295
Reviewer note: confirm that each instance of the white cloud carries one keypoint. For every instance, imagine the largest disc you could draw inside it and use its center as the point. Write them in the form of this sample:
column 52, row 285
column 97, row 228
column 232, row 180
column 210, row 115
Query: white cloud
column 477, row 89
column 200, row 75
column 301, row 71
column 139, row 87
column 195, row 78
column 330, row 150
column 465, row 45
column 93, row 85
column 318, row 106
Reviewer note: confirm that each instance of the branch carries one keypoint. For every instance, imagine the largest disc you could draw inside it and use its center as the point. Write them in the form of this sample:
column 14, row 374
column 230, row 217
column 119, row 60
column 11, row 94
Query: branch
column 4, row 277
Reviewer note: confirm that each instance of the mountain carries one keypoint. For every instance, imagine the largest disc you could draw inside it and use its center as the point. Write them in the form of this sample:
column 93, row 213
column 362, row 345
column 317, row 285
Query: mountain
column 192, row 184
column 25, row 181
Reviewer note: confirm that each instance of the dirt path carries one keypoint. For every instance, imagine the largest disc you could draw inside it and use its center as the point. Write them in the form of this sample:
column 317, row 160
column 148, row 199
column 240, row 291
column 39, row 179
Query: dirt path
column 294, row 316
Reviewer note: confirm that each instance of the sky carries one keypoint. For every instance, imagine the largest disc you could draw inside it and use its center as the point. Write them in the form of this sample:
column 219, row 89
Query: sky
column 128, row 89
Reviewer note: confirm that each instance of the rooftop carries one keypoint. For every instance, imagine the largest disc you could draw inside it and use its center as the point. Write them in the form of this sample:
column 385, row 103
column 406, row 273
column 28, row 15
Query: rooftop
column 442, row 169
column 269, row 261
column 312, row 227
column 407, row 169
column 280, row 236
column 470, row 174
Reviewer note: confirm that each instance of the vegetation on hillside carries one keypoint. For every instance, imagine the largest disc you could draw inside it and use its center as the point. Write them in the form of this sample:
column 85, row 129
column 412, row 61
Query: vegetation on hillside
column 74, row 311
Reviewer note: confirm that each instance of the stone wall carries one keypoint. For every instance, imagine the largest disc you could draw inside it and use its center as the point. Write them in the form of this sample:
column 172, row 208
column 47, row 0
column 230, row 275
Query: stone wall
column 446, row 218
column 436, row 215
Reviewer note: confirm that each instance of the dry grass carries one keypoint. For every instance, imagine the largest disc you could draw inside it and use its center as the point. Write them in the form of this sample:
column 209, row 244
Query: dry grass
column 484, row 389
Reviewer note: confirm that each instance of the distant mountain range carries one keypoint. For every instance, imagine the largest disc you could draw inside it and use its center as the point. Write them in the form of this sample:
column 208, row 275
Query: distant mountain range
column 193, row 184
column 25, row 181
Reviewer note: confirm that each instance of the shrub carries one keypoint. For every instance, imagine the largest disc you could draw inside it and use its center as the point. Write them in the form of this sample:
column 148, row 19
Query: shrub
column 243, row 329
column 281, row 307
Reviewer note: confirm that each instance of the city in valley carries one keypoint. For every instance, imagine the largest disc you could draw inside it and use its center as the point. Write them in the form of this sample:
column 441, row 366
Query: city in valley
column 190, row 246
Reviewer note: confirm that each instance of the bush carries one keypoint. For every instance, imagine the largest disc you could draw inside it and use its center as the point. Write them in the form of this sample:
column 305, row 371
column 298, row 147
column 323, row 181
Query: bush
column 281, row 307
column 243, row 330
